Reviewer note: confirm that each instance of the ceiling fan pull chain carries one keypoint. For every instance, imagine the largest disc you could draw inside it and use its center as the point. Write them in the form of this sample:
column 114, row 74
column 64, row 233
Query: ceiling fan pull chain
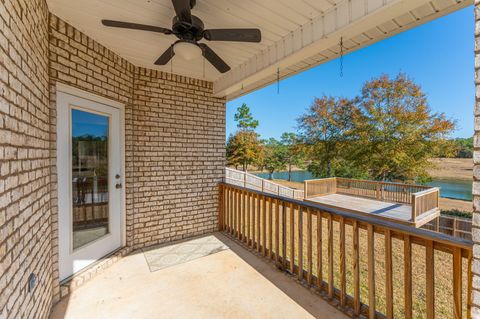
column 341, row 57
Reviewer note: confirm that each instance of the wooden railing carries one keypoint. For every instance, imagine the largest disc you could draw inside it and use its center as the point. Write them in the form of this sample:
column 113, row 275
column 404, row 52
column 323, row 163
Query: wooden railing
column 370, row 267
column 240, row 178
column 319, row 187
column 451, row 225
column 425, row 201
column 422, row 198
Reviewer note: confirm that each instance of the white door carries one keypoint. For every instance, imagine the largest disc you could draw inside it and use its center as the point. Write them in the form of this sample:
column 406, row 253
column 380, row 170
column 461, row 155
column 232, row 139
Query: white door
column 89, row 170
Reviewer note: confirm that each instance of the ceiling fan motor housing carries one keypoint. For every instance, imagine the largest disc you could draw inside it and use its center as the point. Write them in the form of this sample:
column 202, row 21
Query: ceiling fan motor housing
column 188, row 31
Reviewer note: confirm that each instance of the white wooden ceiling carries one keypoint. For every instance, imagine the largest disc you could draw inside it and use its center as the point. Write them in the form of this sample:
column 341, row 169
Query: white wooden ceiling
column 296, row 34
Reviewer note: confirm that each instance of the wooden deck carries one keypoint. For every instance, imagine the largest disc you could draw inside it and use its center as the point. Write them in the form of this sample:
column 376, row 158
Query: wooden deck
column 385, row 210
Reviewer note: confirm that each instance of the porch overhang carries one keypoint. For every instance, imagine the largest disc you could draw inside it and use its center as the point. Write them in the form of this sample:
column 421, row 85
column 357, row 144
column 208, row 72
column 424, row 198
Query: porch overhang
column 297, row 34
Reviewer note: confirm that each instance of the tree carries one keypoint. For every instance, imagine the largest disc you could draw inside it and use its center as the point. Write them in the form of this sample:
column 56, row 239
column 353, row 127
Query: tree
column 326, row 129
column 397, row 131
column 245, row 120
column 243, row 148
column 294, row 151
column 275, row 156
column 463, row 147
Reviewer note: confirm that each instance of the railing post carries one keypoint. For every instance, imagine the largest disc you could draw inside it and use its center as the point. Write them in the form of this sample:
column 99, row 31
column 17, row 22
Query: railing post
column 414, row 207
column 263, row 185
column 305, row 189
column 220, row 208
column 245, row 179
column 377, row 191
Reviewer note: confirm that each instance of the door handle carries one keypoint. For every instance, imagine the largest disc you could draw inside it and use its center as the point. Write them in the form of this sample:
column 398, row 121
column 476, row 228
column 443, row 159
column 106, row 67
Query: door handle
column 118, row 185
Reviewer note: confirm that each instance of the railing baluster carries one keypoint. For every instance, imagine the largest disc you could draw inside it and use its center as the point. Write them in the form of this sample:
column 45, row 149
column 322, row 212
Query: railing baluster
column 270, row 227
column 331, row 283
column 259, row 206
column 292, row 239
column 232, row 198
column 319, row 250
column 343, row 275
column 356, row 270
column 248, row 224
column 388, row 273
column 241, row 217
column 284, row 234
column 407, row 273
column 235, row 213
column 264, row 226
column 300, row 243
column 430, row 282
column 469, row 283
column 277, row 230
column 371, row 272
column 309, row 246
column 457, row 283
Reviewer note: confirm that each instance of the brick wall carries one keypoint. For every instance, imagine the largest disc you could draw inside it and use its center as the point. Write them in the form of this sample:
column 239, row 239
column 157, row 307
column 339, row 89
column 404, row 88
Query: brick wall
column 476, row 173
column 174, row 136
column 176, row 157
column 25, row 232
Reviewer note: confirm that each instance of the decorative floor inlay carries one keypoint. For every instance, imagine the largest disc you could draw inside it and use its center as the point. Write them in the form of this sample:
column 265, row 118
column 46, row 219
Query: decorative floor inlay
column 164, row 256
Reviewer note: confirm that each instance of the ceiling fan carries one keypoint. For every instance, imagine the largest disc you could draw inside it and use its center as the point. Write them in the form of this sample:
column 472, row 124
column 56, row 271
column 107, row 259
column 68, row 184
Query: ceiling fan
column 189, row 29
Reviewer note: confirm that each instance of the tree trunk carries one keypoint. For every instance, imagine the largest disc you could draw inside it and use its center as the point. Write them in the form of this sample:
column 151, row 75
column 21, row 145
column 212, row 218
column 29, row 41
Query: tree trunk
column 289, row 172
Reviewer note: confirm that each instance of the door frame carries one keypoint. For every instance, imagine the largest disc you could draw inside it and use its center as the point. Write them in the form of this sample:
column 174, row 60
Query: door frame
column 63, row 88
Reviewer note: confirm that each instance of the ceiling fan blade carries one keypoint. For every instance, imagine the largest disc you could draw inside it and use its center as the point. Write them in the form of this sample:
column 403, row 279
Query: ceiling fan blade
column 214, row 59
column 135, row 26
column 166, row 56
column 183, row 10
column 240, row 35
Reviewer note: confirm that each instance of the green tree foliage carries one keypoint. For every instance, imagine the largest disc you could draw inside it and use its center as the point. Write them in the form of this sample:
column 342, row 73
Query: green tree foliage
column 243, row 148
column 463, row 147
column 327, row 128
column 245, row 120
column 294, row 151
column 275, row 158
column 397, row 133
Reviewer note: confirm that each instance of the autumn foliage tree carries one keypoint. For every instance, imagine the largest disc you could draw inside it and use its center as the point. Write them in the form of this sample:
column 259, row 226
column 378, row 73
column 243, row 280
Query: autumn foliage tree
column 326, row 128
column 388, row 132
column 397, row 132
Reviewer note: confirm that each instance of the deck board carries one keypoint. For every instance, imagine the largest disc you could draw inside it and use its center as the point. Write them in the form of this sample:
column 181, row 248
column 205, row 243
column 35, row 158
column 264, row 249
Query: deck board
column 384, row 210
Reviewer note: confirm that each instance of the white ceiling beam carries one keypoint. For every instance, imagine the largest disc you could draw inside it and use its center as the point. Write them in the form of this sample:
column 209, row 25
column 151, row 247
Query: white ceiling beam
column 347, row 19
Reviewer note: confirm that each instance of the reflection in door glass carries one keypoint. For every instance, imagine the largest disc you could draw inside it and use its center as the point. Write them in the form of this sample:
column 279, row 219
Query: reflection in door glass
column 89, row 177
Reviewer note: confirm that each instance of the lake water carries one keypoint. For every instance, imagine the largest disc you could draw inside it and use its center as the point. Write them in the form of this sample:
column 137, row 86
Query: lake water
column 457, row 189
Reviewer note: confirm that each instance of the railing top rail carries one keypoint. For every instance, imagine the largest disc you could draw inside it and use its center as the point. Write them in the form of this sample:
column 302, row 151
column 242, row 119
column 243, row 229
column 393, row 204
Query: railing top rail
column 383, row 182
column 427, row 191
column 417, row 232
column 320, row 179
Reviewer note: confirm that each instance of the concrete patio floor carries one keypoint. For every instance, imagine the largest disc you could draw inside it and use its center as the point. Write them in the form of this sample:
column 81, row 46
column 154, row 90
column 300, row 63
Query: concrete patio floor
column 233, row 283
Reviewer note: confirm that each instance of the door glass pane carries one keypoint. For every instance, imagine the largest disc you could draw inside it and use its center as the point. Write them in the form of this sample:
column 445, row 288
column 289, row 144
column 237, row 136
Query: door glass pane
column 89, row 177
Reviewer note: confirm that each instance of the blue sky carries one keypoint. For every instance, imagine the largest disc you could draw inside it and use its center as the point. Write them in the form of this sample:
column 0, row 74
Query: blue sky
column 438, row 56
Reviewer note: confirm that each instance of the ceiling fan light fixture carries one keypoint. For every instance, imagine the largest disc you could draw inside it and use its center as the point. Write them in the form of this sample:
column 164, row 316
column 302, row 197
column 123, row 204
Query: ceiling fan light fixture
column 187, row 50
